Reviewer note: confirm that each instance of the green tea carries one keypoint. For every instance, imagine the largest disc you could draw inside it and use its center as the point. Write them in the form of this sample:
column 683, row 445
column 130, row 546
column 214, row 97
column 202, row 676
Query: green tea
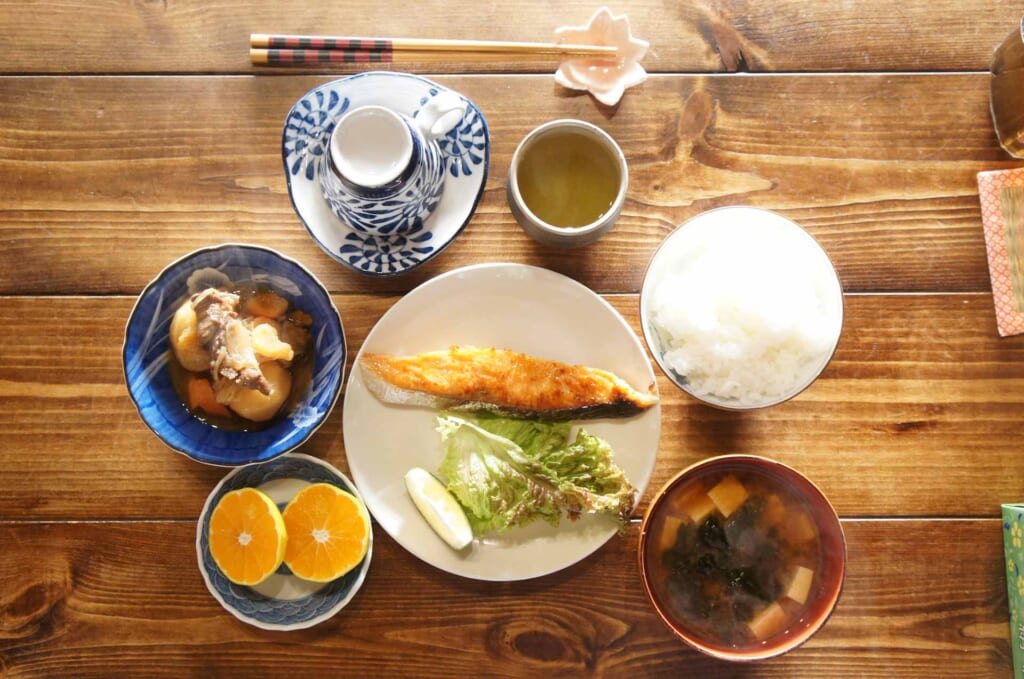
column 568, row 179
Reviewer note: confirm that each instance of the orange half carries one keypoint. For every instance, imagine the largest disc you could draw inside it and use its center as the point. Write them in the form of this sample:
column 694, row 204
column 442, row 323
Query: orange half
column 328, row 532
column 247, row 536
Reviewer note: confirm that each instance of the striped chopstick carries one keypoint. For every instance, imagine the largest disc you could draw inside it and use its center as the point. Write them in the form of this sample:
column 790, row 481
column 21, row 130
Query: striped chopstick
column 318, row 42
column 312, row 56
column 275, row 50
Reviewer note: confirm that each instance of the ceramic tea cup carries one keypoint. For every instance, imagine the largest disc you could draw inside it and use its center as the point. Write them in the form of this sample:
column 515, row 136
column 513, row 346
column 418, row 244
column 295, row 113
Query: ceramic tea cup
column 567, row 183
column 383, row 173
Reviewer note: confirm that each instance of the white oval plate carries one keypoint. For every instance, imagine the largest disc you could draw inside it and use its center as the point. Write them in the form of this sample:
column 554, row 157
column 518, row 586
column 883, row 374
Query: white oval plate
column 508, row 306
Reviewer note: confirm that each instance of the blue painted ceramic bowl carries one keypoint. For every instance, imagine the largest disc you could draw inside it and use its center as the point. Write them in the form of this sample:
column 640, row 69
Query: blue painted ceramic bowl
column 283, row 601
column 147, row 350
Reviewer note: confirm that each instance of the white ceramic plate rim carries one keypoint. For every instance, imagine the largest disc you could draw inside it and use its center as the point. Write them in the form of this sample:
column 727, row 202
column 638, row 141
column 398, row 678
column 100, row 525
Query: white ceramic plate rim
column 383, row 441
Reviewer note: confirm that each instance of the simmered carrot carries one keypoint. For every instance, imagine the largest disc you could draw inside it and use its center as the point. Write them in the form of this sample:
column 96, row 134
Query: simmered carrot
column 266, row 303
column 201, row 397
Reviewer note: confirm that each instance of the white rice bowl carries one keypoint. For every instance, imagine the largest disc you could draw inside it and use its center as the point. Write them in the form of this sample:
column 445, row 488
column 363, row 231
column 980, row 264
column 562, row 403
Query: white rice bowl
column 741, row 307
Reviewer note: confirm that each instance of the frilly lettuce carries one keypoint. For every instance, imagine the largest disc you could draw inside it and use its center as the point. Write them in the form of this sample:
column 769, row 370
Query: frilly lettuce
column 508, row 473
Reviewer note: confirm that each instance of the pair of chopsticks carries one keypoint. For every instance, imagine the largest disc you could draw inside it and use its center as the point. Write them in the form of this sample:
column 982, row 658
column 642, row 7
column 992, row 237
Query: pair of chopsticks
column 299, row 50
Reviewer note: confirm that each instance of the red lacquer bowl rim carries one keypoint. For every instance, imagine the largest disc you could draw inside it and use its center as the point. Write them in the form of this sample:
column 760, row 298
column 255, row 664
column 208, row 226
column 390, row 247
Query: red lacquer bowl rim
column 824, row 514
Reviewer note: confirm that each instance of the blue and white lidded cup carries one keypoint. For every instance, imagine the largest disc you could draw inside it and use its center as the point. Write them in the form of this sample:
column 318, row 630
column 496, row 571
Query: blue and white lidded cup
column 383, row 173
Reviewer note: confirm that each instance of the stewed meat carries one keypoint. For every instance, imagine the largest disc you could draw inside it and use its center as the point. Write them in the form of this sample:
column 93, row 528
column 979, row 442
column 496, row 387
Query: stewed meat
column 228, row 340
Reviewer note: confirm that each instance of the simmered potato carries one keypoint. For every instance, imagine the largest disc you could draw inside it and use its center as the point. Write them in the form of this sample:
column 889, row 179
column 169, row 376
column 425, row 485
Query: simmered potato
column 251, row 404
column 266, row 303
column 268, row 345
column 185, row 340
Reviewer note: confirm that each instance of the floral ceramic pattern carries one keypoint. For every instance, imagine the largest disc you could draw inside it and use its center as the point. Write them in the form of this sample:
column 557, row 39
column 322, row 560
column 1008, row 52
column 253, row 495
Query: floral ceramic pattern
column 308, row 128
column 466, row 152
column 465, row 145
column 403, row 208
column 376, row 254
column 247, row 604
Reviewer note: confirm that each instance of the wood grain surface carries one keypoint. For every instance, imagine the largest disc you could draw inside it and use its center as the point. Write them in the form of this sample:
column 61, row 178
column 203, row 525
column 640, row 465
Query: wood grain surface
column 161, row 36
column 132, row 133
column 80, row 600
column 919, row 389
column 166, row 165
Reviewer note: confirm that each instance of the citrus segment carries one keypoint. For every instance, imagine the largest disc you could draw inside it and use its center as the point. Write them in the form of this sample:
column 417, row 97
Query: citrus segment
column 438, row 507
column 328, row 532
column 247, row 536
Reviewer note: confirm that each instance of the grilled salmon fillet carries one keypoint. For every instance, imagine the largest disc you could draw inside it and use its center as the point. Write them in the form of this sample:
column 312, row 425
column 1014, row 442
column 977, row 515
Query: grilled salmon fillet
column 503, row 382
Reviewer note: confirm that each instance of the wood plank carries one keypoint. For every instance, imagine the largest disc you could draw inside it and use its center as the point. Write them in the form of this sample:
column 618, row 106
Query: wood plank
column 720, row 35
column 160, row 166
column 922, row 599
column 921, row 389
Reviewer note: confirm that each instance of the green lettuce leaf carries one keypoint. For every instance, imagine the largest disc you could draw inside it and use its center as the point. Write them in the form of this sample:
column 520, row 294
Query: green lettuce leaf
column 507, row 472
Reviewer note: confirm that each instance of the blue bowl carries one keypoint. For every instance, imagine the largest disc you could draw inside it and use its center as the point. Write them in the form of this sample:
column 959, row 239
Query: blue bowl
column 283, row 601
column 147, row 350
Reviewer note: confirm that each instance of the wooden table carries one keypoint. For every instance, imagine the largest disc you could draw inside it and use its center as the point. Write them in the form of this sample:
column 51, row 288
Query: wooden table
column 133, row 133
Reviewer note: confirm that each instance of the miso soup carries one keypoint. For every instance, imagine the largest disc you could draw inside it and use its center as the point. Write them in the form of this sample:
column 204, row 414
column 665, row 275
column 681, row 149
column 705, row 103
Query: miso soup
column 735, row 558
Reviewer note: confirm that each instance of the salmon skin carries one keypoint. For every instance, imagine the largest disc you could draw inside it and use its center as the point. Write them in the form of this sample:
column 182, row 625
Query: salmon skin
column 502, row 382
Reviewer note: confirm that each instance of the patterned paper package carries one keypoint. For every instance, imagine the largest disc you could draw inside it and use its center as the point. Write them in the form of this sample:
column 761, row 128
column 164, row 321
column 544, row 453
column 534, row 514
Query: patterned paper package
column 1002, row 214
column 1013, row 546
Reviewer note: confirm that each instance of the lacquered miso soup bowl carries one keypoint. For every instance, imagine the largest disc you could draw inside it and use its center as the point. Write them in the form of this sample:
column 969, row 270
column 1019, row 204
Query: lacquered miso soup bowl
column 742, row 557
column 147, row 354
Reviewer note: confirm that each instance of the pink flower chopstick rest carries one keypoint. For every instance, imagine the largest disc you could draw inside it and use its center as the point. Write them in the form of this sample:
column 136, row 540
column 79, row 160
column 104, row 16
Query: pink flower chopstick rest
column 606, row 79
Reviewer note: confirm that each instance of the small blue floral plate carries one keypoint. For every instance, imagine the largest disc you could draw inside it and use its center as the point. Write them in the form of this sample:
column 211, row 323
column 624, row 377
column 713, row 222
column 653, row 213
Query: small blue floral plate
column 147, row 351
column 283, row 601
column 307, row 130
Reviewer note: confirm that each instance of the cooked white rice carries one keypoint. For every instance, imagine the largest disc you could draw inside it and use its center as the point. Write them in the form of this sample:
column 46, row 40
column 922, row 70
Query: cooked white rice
column 749, row 312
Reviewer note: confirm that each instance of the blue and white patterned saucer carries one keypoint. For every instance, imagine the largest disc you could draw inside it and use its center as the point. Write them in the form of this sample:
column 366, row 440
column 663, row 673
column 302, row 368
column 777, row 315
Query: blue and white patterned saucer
column 307, row 129
column 283, row 601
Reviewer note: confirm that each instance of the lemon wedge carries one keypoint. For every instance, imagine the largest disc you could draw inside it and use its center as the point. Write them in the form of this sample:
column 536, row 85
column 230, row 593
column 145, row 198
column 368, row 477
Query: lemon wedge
column 439, row 508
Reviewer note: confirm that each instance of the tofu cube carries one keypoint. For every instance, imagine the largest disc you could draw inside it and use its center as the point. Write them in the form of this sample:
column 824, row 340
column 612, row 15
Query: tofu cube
column 669, row 533
column 800, row 585
column 695, row 504
column 774, row 511
column 729, row 495
column 768, row 622
column 799, row 528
